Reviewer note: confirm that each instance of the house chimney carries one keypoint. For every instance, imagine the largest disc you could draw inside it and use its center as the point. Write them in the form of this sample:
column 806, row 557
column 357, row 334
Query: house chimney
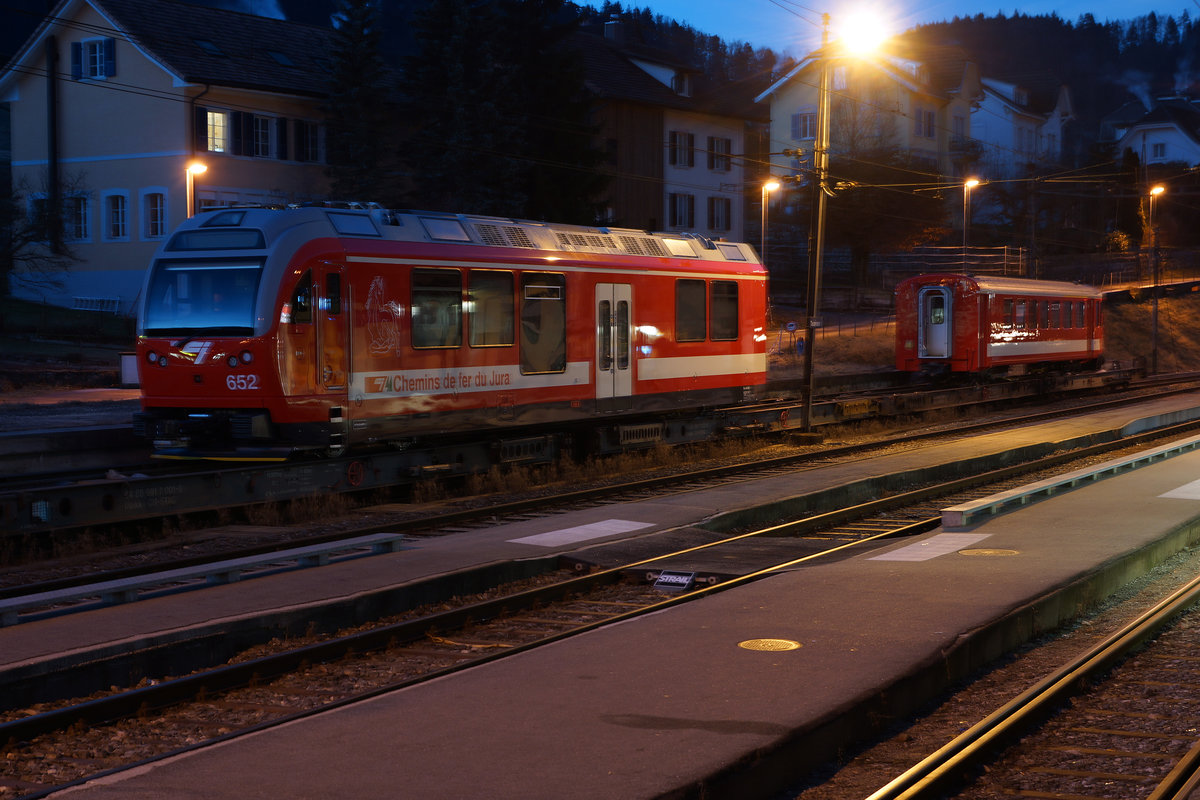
column 614, row 31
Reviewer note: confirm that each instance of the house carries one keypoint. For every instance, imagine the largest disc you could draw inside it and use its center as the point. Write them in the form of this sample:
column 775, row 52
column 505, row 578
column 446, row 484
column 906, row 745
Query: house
column 1167, row 133
column 111, row 100
column 1020, row 122
column 676, row 150
column 919, row 105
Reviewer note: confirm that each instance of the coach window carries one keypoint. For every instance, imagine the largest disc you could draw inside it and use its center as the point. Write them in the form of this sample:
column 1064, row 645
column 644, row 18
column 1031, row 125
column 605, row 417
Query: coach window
column 723, row 308
column 1079, row 314
column 689, row 311
column 543, row 323
column 300, row 308
column 1019, row 319
column 1055, row 315
column 490, row 308
column 1007, row 315
column 436, row 308
column 333, row 293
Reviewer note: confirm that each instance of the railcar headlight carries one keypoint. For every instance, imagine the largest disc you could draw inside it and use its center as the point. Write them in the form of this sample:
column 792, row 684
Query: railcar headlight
column 162, row 361
column 247, row 356
column 152, row 357
column 232, row 361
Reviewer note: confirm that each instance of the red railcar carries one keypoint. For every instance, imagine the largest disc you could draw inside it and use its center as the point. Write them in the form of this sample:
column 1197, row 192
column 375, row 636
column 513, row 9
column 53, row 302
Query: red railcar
column 319, row 328
column 963, row 323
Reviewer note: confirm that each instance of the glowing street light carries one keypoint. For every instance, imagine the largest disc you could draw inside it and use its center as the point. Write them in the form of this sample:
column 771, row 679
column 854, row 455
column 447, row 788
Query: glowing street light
column 1155, row 191
column 768, row 187
column 859, row 46
column 193, row 169
column 968, row 185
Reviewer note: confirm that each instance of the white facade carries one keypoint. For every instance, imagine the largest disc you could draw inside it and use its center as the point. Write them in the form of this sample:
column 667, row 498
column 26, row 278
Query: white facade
column 703, row 175
column 125, row 123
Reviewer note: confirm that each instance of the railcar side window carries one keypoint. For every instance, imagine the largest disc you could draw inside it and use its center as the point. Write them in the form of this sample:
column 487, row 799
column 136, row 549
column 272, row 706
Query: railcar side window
column 301, row 305
column 333, row 293
column 436, row 308
column 1055, row 315
column 490, row 308
column 1079, row 314
column 937, row 309
column 1007, row 314
column 723, row 306
column 543, row 323
column 689, row 311
column 1019, row 321
column 622, row 334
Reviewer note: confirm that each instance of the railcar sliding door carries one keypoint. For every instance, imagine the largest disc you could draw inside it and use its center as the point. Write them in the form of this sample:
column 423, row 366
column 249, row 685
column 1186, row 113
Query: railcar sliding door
column 614, row 320
column 933, row 327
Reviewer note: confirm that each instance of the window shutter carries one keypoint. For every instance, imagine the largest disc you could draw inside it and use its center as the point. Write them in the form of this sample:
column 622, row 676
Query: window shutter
column 76, row 60
column 299, row 139
column 247, row 134
column 236, row 143
column 200, row 128
column 110, row 57
column 281, row 142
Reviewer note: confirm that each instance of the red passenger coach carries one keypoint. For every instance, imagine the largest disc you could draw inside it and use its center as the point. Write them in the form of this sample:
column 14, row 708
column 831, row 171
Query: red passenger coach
column 961, row 323
column 321, row 328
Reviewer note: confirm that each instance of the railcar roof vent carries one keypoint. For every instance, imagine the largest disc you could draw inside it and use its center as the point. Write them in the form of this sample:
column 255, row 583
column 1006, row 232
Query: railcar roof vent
column 504, row 235
column 586, row 242
column 643, row 247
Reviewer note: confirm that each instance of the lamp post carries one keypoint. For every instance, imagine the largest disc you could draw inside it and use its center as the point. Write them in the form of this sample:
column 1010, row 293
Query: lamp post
column 193, row 169
column 816, row 237
column 968, row 185
column 769, row 186
column 1155, row 191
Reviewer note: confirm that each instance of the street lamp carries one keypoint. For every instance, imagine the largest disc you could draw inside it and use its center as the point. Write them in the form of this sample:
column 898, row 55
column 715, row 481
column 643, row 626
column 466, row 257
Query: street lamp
column 193, row 169
column 1155, row 191
column 768, row 187
column 968, row 185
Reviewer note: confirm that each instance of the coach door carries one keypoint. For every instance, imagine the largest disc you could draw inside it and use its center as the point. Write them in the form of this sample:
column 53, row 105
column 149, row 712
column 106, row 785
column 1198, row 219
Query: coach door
column 332, row 312
column 614, row 315
column 933, row 333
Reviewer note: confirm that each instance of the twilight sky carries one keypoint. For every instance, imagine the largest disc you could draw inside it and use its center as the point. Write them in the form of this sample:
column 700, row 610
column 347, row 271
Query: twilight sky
column 794, row 27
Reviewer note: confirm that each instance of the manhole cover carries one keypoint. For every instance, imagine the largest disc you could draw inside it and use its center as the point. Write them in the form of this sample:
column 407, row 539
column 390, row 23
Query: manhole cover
column 769, row 644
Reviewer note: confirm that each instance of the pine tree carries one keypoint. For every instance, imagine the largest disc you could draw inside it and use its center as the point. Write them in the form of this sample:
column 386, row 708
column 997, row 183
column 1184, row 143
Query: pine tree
column 357, row 112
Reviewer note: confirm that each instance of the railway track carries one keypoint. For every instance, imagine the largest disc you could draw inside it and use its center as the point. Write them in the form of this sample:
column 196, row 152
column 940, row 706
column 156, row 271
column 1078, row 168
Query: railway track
column 117, row 729
column 1120, row 721
column 61, row 504
column 160, row 556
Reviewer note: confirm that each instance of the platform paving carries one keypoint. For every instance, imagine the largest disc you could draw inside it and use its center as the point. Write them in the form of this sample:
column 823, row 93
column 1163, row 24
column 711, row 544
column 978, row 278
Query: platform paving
column 676, row 703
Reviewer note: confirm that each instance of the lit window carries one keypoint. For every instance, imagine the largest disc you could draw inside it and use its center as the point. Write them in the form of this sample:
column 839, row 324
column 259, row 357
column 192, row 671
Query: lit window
column 218, row 131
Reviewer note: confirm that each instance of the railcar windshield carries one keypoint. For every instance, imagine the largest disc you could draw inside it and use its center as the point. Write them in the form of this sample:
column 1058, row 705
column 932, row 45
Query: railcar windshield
column 212, row 297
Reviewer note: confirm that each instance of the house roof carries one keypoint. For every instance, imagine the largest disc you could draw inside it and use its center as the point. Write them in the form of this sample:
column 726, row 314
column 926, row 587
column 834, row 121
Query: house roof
column 947, row 69
column 1177, row 112
column 212, row 46
column 611, row 74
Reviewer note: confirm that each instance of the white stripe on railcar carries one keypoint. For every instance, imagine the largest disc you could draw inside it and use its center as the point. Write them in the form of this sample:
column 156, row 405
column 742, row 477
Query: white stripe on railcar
column 658, row 369
column 1043, row 347
column 462, row 380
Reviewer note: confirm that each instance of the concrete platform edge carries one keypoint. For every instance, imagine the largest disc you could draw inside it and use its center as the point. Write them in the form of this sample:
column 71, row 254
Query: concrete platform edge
column 158, row 654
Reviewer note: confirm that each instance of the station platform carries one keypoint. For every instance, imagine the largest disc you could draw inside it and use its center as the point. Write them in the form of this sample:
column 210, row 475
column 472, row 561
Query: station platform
column 776, row 675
